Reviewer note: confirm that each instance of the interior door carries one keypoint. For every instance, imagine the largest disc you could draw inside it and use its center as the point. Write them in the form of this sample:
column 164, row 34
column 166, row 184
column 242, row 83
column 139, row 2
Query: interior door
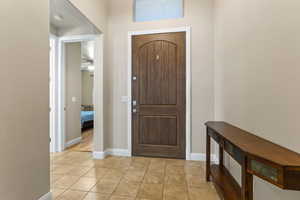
column 158, row 106
column 73, row 91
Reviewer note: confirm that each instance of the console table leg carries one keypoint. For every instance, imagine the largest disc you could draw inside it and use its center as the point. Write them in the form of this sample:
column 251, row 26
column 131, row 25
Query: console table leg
column 221, row 155
column 207, row 157
column 247, row 182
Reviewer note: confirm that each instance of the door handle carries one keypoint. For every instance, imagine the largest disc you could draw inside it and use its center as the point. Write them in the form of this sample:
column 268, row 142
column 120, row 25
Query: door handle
column 134, row 110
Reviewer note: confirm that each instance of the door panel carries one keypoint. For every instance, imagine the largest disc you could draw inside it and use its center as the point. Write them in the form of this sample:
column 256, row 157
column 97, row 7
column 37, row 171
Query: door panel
column 159, row 93
column 158, row 130
column 158, row 76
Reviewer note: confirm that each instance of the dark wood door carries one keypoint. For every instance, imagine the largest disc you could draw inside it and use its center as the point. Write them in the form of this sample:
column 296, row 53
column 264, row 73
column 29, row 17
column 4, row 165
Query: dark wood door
column 158, row 97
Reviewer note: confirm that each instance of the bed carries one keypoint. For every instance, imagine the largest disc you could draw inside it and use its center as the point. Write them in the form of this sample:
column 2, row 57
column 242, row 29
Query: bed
column 87, row 119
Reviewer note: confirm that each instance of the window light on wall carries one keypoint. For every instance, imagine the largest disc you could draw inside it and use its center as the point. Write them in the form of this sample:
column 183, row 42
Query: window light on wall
column 150, row 10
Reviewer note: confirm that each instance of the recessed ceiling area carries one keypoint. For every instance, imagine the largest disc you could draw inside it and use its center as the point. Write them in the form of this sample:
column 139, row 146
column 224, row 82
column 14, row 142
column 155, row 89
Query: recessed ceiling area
column 67, row 20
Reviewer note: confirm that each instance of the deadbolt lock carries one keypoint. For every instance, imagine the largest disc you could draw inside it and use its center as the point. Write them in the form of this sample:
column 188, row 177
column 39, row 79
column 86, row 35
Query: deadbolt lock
column 134, row 103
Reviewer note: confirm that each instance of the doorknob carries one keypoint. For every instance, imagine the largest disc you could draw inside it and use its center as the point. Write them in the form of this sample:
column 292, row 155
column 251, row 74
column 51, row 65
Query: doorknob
column 134, row 110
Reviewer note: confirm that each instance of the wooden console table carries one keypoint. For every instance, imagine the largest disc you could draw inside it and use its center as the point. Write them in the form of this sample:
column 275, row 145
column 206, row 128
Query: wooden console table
column 257, row 156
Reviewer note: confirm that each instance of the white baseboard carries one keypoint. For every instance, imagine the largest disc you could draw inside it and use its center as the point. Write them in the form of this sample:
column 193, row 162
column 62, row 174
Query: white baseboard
column 125, row 153
column 73, row 142
column 99, row 155
column 117, row 152
column 112, row 152
column 202, row 157
column 47, row 196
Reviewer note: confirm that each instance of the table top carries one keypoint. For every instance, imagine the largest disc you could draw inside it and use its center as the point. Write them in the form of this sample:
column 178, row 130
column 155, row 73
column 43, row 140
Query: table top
column 255, row 145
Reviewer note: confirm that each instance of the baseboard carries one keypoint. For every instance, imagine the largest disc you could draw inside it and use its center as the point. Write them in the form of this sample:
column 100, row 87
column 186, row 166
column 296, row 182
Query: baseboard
column 117, row 152
column 112, row 152
column 47, row 196
column 202, row 157
column 73, row 142
column 125, row 153
column 99, row 155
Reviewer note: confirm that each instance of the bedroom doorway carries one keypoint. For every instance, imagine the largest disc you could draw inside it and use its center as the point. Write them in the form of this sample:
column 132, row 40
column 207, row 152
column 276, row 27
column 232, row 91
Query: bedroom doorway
column 87, row 97
column 79, row 95
column 78, row 108
column 79, row 92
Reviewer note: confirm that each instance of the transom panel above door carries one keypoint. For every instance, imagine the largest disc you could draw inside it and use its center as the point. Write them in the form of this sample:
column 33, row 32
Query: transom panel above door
column 158, row 93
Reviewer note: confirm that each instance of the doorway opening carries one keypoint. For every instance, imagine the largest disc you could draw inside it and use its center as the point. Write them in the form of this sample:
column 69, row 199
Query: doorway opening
column 76, row 87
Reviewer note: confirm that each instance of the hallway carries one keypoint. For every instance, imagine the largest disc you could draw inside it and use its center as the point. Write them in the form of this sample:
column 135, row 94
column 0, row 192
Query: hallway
column 86, row 144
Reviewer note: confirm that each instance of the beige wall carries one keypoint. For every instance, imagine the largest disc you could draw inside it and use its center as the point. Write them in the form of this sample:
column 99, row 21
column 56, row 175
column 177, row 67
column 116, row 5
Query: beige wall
column 87, row 79
column 73, row 90
column 24, row 108
column 198, row 15
column 96, row 12
column 257, row 74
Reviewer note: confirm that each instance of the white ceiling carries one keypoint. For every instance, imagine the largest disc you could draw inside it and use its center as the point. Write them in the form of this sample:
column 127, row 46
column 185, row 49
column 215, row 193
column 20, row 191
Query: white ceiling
column 72, row 23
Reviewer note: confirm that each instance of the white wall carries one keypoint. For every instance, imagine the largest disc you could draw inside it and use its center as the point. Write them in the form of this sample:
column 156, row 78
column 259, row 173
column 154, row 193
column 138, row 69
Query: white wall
column 198, row 15
column 257, row 74
column 24, row 108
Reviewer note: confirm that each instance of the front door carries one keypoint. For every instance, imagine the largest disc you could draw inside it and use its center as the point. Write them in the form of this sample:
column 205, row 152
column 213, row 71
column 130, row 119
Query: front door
column 158, row 97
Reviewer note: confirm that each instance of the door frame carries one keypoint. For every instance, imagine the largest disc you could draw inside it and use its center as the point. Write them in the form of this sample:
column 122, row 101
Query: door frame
column 187, row 30
column 98, row 90
column 53, row 100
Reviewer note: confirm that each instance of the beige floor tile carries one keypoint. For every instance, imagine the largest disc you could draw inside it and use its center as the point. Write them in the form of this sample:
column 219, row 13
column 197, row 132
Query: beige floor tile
column 75, row 175
column 105, row 187
column 62, row 169
column 154, row 178
column 121, row 198
column 138, row 166
column 96, row 173
column 175, row 162
column 65, row 182
column 175, row 179
column 175, row 169
column 175, row 192
column 72, row 195
column 84, row 184
column 125, row 188
column 55, row 177
column 157, row 167
column 96, row 196
column 202, row 194
column 113, row 175
column 79, row 171
column 194, row 170
column 56, row 193
column 88, row 163
column 151, row 191
column 195, row 181
column 142, row 160
column 194, row 163
column 134, row 176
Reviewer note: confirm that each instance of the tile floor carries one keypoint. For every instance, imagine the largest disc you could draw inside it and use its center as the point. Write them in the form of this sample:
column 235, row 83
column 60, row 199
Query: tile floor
column 76, row 176
column 86, row 144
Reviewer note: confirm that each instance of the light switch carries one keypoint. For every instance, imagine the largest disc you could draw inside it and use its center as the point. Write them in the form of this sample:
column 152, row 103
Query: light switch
column 74, row 99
